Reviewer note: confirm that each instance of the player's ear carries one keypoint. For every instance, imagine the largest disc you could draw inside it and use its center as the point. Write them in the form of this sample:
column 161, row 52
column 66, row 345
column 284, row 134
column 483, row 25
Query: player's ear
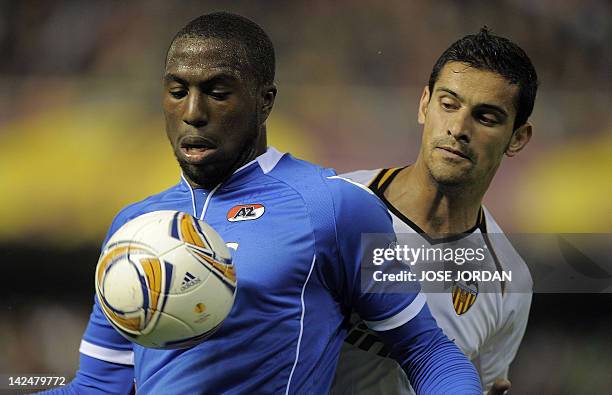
column 423, row 105
column 268, row 94
column 518, row 141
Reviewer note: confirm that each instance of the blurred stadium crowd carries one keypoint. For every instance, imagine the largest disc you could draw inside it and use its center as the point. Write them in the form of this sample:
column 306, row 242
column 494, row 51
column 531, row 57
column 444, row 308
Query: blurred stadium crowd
column 81, row 135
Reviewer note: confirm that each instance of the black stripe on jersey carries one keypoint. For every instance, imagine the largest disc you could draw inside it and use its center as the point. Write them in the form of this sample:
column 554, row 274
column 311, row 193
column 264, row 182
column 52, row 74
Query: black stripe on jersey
column 388, row 176
column 485, row 236
column 354, row 336
column 368, row 342
column 374, row 182
column 482, row 220
column 430, row 239
column 384, row 175
column 380, row 192
column 498, row 265
column 384, row 351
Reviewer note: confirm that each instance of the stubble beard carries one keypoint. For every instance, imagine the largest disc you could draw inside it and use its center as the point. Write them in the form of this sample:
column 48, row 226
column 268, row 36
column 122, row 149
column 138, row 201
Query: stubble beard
column 211, row 174
column 450, row 178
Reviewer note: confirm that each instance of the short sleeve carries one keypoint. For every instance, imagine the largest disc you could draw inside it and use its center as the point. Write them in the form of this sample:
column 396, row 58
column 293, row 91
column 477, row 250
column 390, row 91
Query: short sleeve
column 101, row 340
column 363, row 224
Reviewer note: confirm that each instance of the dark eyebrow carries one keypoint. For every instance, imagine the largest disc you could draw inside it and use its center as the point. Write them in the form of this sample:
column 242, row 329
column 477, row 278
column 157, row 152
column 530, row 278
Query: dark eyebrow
column 174, row 78
column 450, row 91
column 492, row 107
column 221, row 77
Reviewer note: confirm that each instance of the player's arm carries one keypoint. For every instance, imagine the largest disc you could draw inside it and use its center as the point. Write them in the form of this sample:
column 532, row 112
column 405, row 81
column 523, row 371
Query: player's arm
column 106, row 361
column 498, row 352
column 433, row 364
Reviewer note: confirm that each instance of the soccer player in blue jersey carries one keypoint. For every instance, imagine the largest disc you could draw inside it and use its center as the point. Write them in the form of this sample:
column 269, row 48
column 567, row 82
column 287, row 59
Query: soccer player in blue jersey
column 298, row 264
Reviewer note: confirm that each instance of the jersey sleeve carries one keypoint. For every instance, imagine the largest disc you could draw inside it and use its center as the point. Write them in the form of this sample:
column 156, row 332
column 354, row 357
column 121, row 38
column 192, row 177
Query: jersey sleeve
column 362, row 223
column 101, row 340
column 432, row 363
column 499, row 351
column 106, row 358
column 97, row 377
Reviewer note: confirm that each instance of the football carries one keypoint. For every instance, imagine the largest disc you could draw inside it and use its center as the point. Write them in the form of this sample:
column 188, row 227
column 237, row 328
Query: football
column 165, row 280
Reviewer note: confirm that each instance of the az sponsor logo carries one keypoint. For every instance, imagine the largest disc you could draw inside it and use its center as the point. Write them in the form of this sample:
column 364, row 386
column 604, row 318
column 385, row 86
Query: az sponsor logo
column 245, row 212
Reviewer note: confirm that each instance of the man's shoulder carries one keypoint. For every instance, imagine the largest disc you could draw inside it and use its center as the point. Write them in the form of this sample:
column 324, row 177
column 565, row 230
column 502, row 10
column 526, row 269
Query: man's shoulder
column 289, row 169
column 326, row 192
column 357, row 207
column 363, row 177
column 150, row 203
column 307, row 177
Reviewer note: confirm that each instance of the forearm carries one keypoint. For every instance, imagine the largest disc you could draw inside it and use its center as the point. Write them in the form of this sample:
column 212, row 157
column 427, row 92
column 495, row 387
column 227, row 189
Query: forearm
column 433, row 364
column 98, row 377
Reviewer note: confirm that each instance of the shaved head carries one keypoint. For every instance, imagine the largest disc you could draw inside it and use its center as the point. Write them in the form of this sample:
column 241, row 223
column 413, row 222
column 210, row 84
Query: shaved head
column 242, row 42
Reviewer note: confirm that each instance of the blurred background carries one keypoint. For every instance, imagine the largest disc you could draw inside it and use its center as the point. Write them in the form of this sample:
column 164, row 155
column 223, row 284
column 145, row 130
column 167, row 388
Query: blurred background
column 81, row 136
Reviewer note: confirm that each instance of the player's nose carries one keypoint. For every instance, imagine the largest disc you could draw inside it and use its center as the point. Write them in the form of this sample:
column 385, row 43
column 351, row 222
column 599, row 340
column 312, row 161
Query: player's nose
column 196, row 112
column 459, row 127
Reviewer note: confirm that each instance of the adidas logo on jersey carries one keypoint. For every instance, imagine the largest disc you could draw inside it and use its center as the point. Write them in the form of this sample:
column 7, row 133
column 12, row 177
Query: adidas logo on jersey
column 189, row 281
column 245, row 212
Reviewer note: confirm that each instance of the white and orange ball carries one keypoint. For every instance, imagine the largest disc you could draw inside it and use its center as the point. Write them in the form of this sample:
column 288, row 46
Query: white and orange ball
column 165, row 280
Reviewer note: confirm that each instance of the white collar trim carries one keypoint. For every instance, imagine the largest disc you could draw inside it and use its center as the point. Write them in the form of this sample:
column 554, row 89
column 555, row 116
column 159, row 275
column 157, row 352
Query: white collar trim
column 267, row 161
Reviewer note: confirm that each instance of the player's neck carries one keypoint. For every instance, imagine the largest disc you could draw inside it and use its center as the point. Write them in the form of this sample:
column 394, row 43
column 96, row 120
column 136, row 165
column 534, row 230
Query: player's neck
column 248, row 154
column 251, row 152
column 435, row 210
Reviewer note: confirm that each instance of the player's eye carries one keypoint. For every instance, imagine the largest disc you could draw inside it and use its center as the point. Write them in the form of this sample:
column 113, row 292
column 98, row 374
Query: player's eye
column 219, row 95
column 488, row 119
column 178, row 93
column 218, row 92
column 448, row 105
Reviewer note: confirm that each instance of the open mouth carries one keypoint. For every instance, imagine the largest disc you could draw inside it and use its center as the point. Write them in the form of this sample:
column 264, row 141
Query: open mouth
column 456, row 152
column 196, row 148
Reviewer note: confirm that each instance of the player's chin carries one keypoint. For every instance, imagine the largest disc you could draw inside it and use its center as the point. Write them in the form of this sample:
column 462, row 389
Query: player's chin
column 201, row 174
column 450, row 176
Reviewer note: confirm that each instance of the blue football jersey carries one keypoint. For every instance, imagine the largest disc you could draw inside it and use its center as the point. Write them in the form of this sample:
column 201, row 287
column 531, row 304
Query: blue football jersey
column 298, row 272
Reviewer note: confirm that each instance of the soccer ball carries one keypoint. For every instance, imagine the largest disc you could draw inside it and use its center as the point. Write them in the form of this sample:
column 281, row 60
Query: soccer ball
column 165, row 280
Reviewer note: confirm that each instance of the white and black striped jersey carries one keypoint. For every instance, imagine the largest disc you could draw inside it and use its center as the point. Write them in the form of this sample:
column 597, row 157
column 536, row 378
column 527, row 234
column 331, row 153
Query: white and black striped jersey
column 487, row 327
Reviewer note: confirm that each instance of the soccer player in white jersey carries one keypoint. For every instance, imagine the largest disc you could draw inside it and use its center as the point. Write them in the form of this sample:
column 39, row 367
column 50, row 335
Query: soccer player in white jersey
column 474, row 111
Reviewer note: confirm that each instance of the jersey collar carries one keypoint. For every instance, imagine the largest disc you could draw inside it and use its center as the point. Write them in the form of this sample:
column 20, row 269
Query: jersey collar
column 381, row 182
column 265, row 162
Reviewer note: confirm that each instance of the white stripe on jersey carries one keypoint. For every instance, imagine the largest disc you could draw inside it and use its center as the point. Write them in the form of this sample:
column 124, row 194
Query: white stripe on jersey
column 123, row 357
column 297, row 352
column 352, row 182
column 364, row 177
column 400, row 318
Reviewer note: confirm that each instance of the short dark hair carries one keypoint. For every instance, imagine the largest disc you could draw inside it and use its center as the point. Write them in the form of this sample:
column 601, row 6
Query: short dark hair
column 224, row 25
column 489, row 52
